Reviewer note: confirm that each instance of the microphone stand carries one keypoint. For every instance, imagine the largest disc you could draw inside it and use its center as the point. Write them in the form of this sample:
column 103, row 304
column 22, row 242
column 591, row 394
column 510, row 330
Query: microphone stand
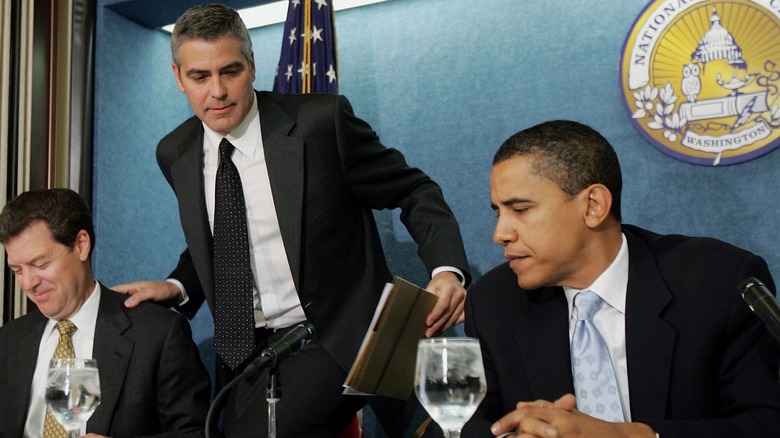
column 273, row 395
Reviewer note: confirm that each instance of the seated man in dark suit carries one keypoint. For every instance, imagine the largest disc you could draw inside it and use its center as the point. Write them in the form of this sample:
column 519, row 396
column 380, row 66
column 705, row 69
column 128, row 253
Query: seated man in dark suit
column 672, row 348
column 152, row 380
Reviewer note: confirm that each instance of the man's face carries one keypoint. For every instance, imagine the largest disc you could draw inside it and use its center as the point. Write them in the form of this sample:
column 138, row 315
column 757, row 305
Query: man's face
column 217, row 80
column 541, row 228
column 53, row 276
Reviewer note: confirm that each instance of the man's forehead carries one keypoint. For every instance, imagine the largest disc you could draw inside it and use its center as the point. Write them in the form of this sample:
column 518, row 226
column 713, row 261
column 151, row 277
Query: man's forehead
column 32, row 243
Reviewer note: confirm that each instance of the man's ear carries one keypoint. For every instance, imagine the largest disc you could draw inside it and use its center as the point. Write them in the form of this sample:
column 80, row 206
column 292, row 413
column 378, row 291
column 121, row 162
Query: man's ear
column 83, row 245
column 175, row 69
column 599, row 205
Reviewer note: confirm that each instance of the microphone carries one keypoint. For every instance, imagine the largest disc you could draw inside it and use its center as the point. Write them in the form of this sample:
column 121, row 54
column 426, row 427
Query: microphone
column 291, row 342
column 762, row 302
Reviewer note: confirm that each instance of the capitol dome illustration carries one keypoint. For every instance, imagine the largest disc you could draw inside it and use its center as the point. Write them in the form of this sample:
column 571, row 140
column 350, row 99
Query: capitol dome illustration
column 718, row 44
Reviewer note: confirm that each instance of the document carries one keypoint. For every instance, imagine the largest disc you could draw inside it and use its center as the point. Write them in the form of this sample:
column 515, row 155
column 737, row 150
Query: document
column 385, row 363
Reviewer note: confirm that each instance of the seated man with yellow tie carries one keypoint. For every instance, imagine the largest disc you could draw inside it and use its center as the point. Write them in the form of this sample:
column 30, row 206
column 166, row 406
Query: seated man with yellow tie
column 598, row 329
column 152, row 380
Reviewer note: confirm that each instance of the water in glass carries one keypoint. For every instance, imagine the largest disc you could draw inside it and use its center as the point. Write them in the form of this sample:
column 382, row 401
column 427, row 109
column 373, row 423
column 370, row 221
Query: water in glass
column 450, row 380
column 73, row 391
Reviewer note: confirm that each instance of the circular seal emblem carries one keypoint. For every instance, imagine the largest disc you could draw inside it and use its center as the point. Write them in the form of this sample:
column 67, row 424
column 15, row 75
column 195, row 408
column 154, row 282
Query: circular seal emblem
column 701, row 81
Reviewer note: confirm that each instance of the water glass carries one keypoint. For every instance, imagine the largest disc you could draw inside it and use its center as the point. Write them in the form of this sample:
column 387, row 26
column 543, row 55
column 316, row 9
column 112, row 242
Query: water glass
column 72, row 392
column 450, row 380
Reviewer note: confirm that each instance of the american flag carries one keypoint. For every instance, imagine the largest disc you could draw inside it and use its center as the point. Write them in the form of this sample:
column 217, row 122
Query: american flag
column 307, row 63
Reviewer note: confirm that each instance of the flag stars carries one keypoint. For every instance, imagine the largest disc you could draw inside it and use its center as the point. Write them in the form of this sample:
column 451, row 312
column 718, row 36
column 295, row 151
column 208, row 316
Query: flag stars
column 331, row 74
column 308, row 44
column 316, row 34
column 292, row 36
column 304, row 70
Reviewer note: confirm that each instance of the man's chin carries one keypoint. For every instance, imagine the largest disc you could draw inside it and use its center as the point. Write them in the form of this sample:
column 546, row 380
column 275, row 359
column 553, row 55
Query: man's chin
column 221, row 125
column 527, row 282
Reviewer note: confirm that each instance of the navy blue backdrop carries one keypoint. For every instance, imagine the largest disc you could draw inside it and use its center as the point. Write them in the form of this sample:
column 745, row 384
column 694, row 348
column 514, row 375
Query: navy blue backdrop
column 444, row 81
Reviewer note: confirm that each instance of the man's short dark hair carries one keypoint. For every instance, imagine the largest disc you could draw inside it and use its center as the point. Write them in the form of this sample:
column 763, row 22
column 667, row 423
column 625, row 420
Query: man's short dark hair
column 570, row 154
column 64, row 212
column 209, row 22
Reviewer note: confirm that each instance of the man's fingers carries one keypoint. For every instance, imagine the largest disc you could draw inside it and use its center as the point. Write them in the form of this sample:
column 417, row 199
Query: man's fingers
column 124, row 288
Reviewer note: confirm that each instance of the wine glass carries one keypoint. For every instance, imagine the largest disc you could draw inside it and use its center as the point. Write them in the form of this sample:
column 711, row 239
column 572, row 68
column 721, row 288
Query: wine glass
column 450, row 380
column 72, row 392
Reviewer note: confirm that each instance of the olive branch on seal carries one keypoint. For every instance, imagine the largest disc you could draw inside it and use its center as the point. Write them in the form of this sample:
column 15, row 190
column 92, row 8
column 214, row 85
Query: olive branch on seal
column 663, row 102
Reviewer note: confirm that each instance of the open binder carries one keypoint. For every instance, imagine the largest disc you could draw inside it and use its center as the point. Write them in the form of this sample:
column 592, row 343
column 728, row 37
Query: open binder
column 385, row 363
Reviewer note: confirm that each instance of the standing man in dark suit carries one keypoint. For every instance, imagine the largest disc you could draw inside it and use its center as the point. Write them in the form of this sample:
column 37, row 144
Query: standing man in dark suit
column 152, row 380
column 688, row 356
column 312, row 173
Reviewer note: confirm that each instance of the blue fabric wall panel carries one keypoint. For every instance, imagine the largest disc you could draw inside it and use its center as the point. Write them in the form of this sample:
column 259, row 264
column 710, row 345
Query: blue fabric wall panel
column 444, row 81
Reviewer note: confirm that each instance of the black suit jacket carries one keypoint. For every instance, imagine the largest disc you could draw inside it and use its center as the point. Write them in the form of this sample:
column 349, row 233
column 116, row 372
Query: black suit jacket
column 700, row 364
column 152, row 380
column 327, row 171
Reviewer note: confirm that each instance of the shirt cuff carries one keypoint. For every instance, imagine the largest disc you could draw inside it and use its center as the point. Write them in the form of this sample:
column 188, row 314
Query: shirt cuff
column 184, row 297
column 457, row 272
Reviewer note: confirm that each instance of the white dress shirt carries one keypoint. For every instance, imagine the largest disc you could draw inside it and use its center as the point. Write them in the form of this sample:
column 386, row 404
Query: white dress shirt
column 610, row 319
column 276, row 300
column 84, row 319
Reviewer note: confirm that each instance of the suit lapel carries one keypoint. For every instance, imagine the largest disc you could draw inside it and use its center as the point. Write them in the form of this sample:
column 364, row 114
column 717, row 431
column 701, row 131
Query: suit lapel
column 544, row 345
column 22, row 367
column 187, row 174
column 113, row 352
column 284, row 157
column 649, row 339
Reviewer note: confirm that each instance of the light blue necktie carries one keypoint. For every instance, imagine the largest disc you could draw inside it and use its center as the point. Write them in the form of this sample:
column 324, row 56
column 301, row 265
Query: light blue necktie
column 594, row 377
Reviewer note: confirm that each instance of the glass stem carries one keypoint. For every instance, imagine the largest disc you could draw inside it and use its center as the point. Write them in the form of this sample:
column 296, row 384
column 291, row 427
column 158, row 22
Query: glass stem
column 452, row 433
column 74, row 433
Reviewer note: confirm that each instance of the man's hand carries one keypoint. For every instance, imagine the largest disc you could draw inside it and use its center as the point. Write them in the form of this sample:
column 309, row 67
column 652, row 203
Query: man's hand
column 510, row 424
column 161, row 292
column 559, row 419
column 448, row 311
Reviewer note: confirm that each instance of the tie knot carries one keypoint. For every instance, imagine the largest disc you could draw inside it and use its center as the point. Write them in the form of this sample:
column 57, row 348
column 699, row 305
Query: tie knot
column 225, row 150
column 66, row 328
column 586, row 303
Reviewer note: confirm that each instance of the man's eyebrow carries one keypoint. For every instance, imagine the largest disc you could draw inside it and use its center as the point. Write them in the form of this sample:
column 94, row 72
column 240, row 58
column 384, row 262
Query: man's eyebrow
column 512, row 201
column 34, row 260
column 195, row 71
column 232, row 65
column 509, row 202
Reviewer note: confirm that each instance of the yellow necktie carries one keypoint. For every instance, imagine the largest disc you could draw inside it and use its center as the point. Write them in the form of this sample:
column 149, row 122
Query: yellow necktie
column 51, row 427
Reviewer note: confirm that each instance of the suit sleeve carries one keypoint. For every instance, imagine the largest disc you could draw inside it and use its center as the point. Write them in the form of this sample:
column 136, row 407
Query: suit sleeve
column 381, row 178
column 186, row 274
column 185, row 269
